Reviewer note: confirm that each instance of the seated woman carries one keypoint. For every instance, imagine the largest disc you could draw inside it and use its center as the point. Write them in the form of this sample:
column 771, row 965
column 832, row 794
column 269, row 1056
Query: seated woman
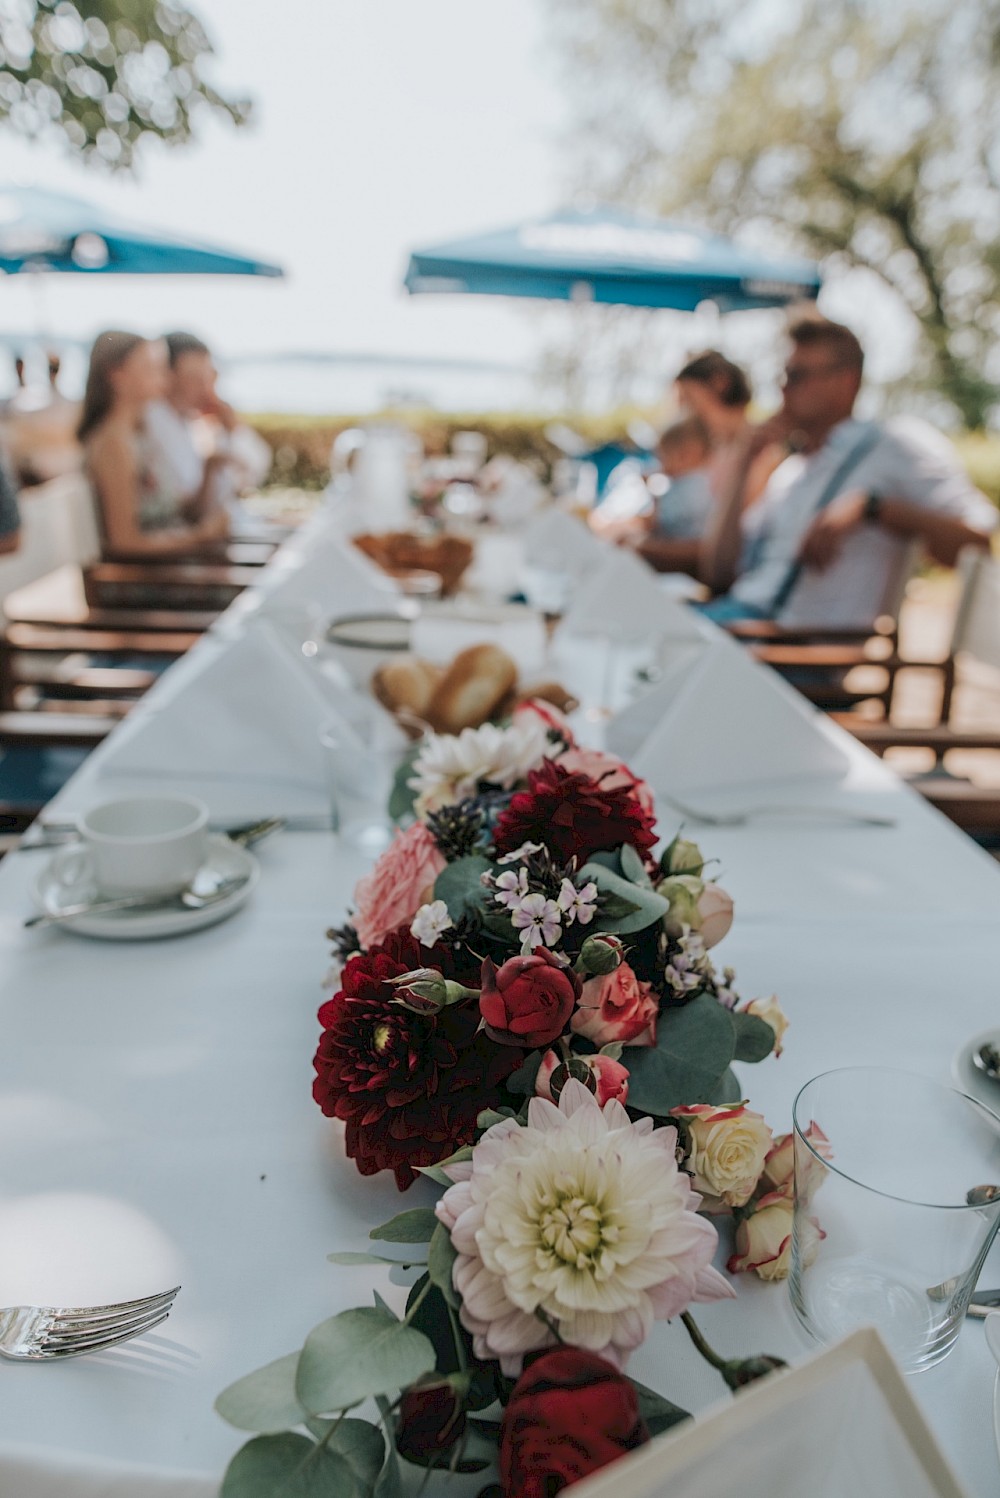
column 137, row 518
column 684, row 499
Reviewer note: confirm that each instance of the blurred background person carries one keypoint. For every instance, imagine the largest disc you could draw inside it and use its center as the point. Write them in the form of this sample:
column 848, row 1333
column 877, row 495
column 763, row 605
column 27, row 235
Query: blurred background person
column 199, row 449
column 719, row 393
column 39, row 425
column 137, row 514
column 10, row 514
column 684, row 502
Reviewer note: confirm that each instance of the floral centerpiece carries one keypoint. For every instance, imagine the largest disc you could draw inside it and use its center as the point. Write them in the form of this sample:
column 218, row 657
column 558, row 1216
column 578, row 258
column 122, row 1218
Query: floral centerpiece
column 527, row 1015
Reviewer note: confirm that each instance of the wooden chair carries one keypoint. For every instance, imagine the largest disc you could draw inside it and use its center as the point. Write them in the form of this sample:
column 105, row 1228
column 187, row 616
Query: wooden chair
column 975, row 638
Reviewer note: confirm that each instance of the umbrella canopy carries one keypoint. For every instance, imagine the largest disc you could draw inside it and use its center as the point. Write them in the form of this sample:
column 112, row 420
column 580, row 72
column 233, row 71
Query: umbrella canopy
column 605, row 255
column 47, row 231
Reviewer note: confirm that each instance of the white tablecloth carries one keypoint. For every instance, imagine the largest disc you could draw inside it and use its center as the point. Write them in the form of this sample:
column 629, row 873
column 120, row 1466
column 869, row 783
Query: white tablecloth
column 157, row 1125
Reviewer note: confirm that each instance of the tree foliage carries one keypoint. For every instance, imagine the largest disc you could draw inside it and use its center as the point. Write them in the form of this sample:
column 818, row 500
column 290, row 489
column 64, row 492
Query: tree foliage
column 854, row 129
column 105, row 75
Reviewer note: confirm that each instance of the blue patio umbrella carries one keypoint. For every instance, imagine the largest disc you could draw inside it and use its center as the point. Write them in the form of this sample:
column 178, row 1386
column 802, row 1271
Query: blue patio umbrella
column 607, row 255
column 49, row 231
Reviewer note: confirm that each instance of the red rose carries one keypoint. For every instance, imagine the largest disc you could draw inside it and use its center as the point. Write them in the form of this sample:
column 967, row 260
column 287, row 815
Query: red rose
column 430, row 1419
column 571, row 1413
column 527, row 1002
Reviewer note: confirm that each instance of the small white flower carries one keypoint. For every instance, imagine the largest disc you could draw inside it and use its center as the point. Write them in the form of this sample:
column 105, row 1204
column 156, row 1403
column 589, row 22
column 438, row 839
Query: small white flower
column 511, row 888
column 538, row 920
column 578, row 904
column 524, row 851
column 429, row 922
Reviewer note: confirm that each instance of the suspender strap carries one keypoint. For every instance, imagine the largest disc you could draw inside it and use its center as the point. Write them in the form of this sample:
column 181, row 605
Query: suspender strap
column 833, row 487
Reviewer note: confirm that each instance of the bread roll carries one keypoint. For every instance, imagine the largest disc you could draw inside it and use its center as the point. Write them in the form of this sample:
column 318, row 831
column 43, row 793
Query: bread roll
column 406, row 683
column 549, row 691
column 471, row 689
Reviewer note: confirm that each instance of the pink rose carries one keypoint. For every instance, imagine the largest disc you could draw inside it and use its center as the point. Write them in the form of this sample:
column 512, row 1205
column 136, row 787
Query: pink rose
column 401, row 881
column 617, row 1007
column 715, row 913
column 779, row 1167
column 537, row 710
column 609, row 772
column 610, row 1077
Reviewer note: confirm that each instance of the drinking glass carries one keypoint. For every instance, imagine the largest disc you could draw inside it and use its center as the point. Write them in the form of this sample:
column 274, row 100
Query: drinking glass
column 888, row 1229
column 362, row 757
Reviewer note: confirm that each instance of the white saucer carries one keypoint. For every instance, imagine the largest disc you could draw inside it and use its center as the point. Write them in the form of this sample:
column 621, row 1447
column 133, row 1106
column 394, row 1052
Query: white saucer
column 225, row 858
column 967, row 1076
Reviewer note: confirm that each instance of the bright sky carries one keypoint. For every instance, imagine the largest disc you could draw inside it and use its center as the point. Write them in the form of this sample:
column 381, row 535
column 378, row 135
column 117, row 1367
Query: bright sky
column 379, row 126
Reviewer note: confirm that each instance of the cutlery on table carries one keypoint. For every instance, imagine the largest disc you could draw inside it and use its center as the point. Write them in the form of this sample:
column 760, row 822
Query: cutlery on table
column 741, row 818
column 184, row 899
column 34, row 1333
column 246, row 834
column 987, row 1060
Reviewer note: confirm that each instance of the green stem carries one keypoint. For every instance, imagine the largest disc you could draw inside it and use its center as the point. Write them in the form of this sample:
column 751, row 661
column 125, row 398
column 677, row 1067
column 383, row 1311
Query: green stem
column 694, row 1332
column 417, row 1304
column 457, row 1338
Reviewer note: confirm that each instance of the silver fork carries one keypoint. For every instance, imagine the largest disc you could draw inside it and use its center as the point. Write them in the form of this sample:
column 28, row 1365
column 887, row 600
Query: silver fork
column 36, row 1333
column 741, row 818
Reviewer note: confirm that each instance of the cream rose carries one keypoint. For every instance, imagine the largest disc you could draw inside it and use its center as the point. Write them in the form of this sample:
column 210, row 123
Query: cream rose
column 764, row 1240
column 771, row 1012
column 727, row 1147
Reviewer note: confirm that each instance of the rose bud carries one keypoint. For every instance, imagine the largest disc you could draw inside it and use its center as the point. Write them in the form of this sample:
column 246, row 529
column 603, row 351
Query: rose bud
column 715, row 914
column 683, row 857
column 570, row 1414
column 603, row 1076
column 600, row 955
column 682, row 891
column 431, row 1418
column 727, row 1148
column 423, row 990
column 771, row 1012
column 528, row 1001
column 739, row 1372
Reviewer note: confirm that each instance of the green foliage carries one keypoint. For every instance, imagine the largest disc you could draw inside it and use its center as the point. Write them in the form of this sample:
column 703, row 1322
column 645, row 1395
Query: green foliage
column 624, row 907
column 357, row 1354
column 291, row 1466
column 859, row 132
column 107, row 74
column 694, row 1047
column 441, row 1258
column 658, row 1413
column 416, row 1226
column 264, row 1400
column 402, row 796
column 754, row 1037
column 459, row 885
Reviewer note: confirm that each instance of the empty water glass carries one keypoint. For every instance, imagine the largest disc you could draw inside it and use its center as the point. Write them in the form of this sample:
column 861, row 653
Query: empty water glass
column 362, row 758
column 897, row 1202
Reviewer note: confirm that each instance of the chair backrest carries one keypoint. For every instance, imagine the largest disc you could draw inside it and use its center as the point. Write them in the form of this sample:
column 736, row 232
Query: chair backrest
column 58, row 526
column 977, row 619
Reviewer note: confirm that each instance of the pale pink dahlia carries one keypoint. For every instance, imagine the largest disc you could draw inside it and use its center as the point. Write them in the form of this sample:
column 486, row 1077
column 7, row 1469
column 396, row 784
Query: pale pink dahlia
column 399, row 884
column 582, row 1218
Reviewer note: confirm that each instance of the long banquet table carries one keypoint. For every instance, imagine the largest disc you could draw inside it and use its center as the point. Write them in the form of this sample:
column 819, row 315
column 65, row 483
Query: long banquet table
column 156, row 1123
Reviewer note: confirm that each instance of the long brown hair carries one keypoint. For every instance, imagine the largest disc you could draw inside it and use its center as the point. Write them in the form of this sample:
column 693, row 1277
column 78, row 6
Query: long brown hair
column 108, row 354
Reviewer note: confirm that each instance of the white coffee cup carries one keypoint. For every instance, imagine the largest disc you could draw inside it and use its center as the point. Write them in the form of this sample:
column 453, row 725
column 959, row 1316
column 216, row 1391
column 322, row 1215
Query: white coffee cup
column 137, row 845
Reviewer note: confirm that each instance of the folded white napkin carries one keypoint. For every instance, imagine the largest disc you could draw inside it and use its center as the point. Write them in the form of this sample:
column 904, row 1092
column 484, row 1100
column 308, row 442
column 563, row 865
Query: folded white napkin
column 555, row 539
column 30, row 1473
column 622, row 598
column 334, row 578
column 721, row 720
column 246, row 729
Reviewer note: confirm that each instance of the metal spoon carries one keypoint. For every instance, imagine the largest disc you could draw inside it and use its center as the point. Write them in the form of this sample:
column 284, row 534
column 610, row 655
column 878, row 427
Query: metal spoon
column 186, row 899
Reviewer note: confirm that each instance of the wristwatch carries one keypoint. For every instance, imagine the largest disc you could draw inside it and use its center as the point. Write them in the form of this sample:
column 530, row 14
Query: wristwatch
column 872, row 512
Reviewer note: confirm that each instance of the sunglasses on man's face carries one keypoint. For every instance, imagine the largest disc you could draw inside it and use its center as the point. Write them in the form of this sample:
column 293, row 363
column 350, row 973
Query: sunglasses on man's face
column 800, row 374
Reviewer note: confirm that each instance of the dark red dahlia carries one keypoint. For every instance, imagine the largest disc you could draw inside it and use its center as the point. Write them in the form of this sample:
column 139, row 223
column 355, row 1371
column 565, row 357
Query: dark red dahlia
column 573, row 815
column 409, row 1087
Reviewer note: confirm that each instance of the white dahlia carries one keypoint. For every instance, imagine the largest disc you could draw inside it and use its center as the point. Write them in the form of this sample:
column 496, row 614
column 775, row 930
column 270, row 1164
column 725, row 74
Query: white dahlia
column 581, row 1223
column 450, row 766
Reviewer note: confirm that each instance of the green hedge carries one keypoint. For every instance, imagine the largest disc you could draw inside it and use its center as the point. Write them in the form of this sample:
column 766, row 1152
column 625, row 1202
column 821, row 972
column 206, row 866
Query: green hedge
column 301, row 444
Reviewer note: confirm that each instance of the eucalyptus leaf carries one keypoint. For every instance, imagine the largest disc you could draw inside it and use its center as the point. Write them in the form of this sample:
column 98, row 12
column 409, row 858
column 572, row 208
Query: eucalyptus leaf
column 649, row 906
column 436, row 1172
column 695, row 1044
column 754, row 1037
column 414, row 1226
column 431, row 1317
column 658, row 1413
column 288, row 1466
column 361, row 1258
column 265, row 1400
column 359, row 1442
column 389, row 1484
column 728, row 1090
column 608, row 858
column 402, row 797
column 356, row 1354
column 441, row 1258
column 460, row 885
column 633, row 867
